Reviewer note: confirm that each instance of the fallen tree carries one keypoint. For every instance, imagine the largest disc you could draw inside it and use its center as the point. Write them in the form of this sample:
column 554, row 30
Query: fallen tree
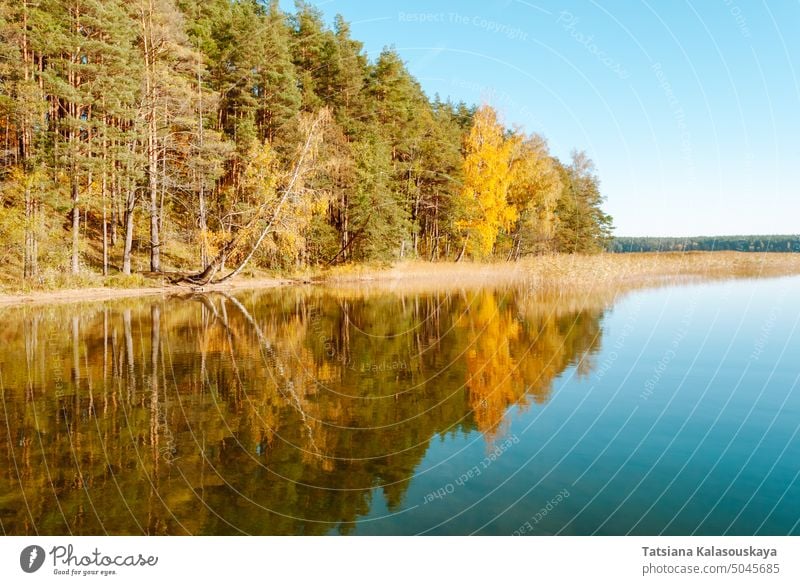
column 270, row 211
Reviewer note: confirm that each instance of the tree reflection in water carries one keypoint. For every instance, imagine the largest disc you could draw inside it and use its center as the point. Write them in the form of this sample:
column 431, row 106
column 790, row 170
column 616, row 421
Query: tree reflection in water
column 272, row 412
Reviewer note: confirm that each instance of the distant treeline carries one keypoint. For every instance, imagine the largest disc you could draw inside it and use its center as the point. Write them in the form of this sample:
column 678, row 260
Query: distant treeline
column 790, row 243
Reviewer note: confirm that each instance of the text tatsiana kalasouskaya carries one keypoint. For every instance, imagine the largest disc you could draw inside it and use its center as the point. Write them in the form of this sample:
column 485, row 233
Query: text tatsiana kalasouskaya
column 709, row 551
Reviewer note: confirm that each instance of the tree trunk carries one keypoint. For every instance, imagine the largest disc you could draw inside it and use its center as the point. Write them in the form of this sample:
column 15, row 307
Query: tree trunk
column 114, row 204
column 203, row 226
column 162, row 195
column 126, row 252
column 74, row 114
column 345, row 227
column 463, row 249
column 76, row 221
column 152, row 131
column 30, row 264
column 103, row 191
column 343, row 251
column 514, row 246
column 105, row 239
column 152, row 187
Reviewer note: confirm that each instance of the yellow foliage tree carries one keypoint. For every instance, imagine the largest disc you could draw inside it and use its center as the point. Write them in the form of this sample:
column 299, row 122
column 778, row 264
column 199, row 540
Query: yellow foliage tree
column 483, row 203
column 534, row 191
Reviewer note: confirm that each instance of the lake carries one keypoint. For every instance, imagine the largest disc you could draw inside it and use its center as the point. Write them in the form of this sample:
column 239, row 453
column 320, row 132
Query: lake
column 305, row 410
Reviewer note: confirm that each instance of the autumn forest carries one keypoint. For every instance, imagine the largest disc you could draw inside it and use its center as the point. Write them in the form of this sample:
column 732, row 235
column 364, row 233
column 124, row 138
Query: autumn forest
column 207, row 138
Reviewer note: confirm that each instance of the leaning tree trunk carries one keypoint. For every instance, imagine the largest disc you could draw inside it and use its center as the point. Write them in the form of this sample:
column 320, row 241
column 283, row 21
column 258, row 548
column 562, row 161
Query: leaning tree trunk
column 463, row 249
column 208, row 273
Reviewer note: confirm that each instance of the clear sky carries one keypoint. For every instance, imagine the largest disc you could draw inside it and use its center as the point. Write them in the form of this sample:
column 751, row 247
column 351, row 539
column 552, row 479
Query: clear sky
column 690, row 109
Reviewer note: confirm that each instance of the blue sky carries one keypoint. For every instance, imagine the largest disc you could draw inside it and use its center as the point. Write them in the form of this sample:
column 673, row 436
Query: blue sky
column 690, row 110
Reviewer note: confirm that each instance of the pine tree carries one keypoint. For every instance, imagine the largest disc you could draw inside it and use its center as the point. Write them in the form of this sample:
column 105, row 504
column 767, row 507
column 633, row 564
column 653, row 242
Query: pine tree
column 23, row 114
column 401, row 115
column 110, row 64
column 378, row 216
column 168, row 67
column 439, row 181
column 348, row 97
column 582, row 225
column 311, row 45
column 278, row 92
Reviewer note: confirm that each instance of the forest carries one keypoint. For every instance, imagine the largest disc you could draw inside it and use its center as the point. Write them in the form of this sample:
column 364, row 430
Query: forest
column 207, row 138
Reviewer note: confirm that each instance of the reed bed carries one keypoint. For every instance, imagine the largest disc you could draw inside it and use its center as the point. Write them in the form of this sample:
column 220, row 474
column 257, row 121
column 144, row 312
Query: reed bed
column 568, row 271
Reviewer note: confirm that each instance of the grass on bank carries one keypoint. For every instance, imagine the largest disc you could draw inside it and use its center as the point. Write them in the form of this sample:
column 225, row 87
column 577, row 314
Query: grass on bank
column 574, row 270
column 557, row 271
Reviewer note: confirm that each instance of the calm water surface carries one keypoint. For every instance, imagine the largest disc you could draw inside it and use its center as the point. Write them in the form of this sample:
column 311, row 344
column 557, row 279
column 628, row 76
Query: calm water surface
column 314, row 411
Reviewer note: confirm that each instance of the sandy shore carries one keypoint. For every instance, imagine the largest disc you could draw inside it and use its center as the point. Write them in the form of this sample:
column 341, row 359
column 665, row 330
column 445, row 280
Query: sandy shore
column 99, row 294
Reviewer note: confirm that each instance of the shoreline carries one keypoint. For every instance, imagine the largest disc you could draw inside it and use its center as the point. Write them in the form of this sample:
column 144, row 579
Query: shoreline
column 567, row 271
column 100, row 294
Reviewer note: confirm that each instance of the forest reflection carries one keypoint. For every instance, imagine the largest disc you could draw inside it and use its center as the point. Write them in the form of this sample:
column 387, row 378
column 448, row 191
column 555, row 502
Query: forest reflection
column 267, row 412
